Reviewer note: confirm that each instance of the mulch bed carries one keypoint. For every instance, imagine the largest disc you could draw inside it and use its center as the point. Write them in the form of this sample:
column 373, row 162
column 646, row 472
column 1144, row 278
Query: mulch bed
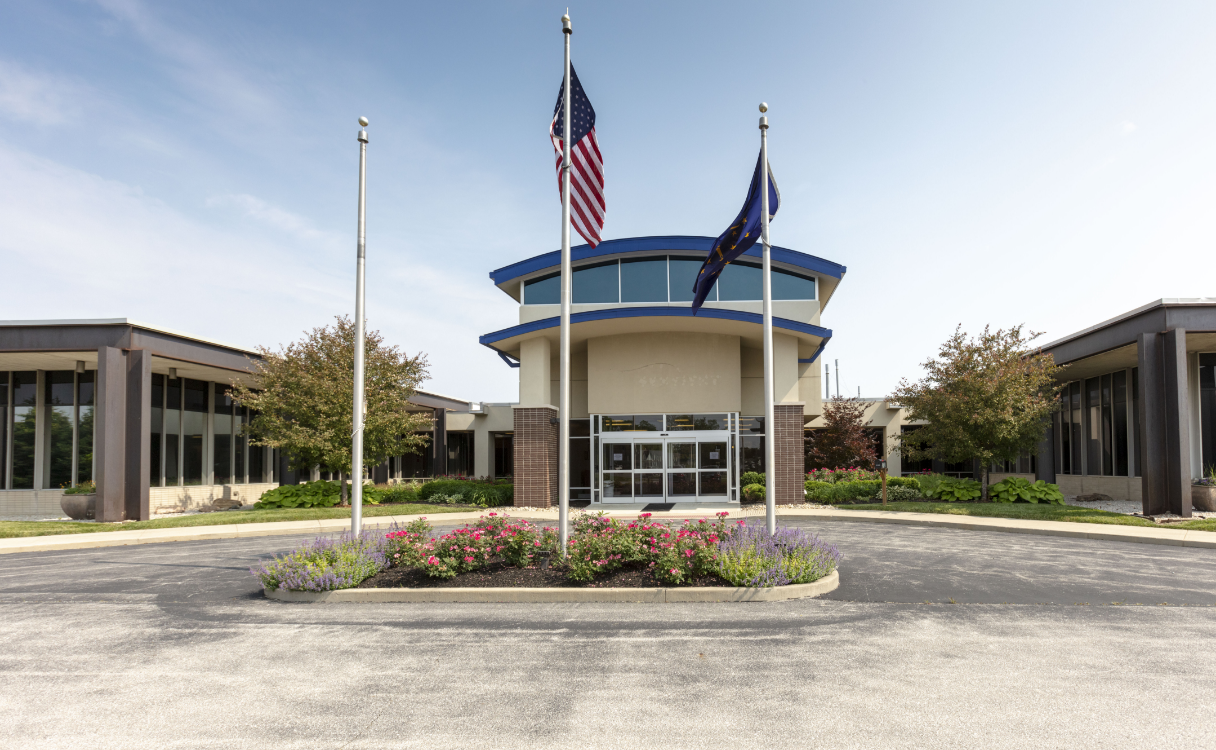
column 499, row 575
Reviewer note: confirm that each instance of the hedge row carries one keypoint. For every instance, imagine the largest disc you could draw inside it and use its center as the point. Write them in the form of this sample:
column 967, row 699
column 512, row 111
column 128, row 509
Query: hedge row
column 843, row 492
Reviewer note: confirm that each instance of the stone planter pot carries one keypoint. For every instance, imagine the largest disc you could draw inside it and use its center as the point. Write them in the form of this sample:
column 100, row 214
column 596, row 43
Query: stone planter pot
column 1203, row 498
column 79, row 507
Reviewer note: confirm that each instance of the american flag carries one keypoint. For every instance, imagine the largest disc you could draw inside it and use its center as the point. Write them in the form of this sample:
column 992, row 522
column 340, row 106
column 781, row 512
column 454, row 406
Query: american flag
column 587, row 172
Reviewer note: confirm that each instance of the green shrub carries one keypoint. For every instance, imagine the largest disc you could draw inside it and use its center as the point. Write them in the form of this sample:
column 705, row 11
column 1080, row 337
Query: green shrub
column 1020, row 490
column 929, row 482
column 818, row 492
column 952, row 490
column 482, row 494
column 753, row 493
column 751, row 477
column 399, row 493
column 903, row 494
column 911, row 482
column 86, row 487
column 844, row 492
column 319, row 494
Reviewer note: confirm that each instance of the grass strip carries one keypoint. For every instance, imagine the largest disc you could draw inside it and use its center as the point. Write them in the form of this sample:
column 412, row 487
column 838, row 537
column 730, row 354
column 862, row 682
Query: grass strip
column 10, row 529
column 1035, row 512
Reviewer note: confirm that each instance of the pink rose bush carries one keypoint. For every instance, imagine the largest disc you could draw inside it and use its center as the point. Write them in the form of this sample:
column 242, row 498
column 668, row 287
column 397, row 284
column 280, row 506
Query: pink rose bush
column 491, row 537
column 674, row 553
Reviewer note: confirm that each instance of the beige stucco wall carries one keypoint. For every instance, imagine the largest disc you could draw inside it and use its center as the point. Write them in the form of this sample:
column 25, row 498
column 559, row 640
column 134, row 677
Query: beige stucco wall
column 663, row 372
column 578, row 382
column 810, row 388
column 535, row 355
column 787, row 385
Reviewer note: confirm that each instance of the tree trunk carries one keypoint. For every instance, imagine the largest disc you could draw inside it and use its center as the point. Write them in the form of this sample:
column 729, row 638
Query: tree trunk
column 342, row 485
column 984, row 488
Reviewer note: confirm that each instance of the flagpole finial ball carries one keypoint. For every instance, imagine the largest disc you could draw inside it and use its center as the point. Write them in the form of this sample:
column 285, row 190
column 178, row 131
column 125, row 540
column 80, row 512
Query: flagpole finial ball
column 363, row 121
column 763, row 106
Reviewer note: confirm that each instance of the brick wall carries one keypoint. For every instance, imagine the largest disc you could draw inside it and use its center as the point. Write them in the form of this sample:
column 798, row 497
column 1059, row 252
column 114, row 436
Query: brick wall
column 535, row 457
column 790, row 468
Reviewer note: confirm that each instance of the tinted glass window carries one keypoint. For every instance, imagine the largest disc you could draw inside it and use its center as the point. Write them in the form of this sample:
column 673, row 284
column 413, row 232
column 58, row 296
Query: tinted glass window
column 196, row 395
column 644, row 280
column 789, row 286
column 545, row 291
column 683, row 275
column 739, row 282
column 596, row 283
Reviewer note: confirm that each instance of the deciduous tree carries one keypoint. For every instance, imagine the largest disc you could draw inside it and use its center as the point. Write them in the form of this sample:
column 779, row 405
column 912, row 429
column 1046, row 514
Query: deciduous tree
column 302, row 400
column 843, row 441
column 986, row 398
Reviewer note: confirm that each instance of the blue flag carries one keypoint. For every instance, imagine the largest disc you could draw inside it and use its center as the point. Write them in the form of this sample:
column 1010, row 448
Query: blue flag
column 742, row 234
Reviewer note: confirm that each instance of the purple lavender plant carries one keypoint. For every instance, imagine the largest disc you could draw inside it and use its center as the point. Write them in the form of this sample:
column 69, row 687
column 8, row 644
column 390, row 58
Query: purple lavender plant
column 326, row 563
column 750, row 556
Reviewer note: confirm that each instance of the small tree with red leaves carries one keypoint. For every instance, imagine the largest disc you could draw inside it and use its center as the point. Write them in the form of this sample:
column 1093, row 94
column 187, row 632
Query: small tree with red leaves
column 843, row 441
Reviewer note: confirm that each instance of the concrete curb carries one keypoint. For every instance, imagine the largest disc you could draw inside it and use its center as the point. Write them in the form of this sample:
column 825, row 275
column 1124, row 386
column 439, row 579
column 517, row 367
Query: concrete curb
column 225, row 531
column 1103, row 532
column 550, row 596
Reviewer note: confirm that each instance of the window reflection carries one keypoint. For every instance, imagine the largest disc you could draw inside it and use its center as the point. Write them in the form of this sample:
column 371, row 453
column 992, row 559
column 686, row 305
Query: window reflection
column 61, row 423
column 663, row 279
column 644, row 280
column 25, row 417
column 598, row 283
column 194, row 425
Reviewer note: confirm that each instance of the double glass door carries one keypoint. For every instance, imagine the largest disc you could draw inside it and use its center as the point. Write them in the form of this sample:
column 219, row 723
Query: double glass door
column 690, row 466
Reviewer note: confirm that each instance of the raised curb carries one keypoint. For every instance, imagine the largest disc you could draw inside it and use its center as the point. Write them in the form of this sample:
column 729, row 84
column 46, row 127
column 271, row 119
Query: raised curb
column 551, row 596
column 223, row 531
column 1103, row 532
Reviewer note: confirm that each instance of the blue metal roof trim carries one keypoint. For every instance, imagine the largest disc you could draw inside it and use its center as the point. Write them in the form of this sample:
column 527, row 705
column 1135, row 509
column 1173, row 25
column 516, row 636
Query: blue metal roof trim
column 815, row 356
column 653, row 312
column 650, row 244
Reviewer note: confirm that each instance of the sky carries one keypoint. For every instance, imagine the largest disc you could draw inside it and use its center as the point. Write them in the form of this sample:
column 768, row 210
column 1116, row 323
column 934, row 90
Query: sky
column 194, row 166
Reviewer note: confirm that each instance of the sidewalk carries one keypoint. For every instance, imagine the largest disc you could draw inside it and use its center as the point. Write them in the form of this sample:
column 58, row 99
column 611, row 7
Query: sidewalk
column 1107, row 532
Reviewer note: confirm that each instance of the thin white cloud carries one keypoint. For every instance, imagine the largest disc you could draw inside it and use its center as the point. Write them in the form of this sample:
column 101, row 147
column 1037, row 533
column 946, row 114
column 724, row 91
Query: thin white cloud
column 33, row 96
column 200, row 68
column 273, row 216
column 77, row 245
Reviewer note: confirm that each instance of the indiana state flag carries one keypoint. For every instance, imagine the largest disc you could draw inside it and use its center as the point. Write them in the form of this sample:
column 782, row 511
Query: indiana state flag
column 742, row 234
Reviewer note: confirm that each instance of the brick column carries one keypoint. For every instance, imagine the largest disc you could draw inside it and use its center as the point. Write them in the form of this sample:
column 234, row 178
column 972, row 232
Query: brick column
column 535, row 456
column 790, row 469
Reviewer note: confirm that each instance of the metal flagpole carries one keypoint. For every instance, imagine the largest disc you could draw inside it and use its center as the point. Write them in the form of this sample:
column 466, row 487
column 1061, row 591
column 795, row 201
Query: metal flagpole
column 356, row 437
column 770, row 426
column 563, row 405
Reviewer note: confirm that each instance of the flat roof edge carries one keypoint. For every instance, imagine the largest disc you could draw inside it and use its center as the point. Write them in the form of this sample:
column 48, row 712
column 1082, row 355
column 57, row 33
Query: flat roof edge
column 126, row 322
column 1163, row 302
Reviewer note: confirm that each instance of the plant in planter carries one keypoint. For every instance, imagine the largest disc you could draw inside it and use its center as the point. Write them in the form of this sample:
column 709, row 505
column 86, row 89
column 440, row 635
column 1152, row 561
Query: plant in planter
column 80, row 502
column 1203, row 492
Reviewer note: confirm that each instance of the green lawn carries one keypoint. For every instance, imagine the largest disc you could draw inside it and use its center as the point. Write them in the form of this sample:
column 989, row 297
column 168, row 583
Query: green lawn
column 44, row 528
column 1035, row 512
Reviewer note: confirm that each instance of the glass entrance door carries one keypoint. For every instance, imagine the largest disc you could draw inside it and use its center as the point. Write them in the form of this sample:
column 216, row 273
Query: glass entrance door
column 653, row 469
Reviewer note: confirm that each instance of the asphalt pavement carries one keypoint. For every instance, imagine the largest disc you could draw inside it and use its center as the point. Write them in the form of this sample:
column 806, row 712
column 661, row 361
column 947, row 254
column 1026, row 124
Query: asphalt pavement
column 935, row 638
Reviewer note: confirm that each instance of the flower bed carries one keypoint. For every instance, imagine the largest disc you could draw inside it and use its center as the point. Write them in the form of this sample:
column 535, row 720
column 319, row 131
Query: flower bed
column 497, row 550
